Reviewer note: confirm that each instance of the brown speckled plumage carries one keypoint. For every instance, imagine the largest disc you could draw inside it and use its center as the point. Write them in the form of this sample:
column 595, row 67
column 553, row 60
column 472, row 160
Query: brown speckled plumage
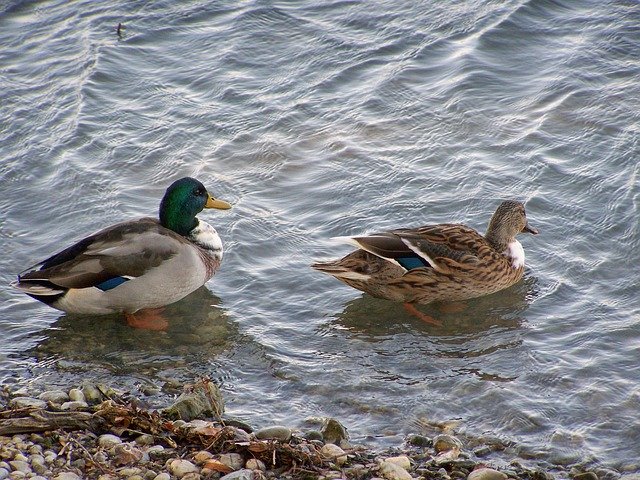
column 445, row 262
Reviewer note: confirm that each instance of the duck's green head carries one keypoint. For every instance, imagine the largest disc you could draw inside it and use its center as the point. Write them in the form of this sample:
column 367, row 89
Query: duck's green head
column 182, row 201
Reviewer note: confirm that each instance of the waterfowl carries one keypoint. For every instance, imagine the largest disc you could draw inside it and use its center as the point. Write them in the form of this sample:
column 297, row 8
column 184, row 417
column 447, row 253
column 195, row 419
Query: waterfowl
column 436, row 263
column 135, row 265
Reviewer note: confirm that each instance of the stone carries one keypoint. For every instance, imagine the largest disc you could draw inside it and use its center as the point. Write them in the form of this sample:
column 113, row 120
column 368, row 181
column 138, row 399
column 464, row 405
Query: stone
column 202, row 456
column 180, row 467
column 162, row 476
column 486, row 474
column 92, row 394
column 419, row 441
column 145, row 439
column 313, row 435
column 585, row 476
column 108, row 440
column 401, row 460
column 4, row 473
column 234, row 461
column 391, row 471
column 256, row 464
column 333, row 431
column 20, row 466
column 27, row 402
column 74, row 405
column 203, row 399
column 446, row 442
column 244, row 474
column 192, row 476
column 275, row 432
column 334, row 452
column 76, row 395
column 67, row 476
column 55, row 397
column 125, row 454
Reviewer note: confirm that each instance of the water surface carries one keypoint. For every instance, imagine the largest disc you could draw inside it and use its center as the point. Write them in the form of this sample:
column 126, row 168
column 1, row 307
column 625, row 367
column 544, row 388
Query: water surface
column 318, row 119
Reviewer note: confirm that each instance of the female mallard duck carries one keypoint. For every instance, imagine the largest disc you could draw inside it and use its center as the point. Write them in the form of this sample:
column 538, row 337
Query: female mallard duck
column 445, row 262
column 134, row 265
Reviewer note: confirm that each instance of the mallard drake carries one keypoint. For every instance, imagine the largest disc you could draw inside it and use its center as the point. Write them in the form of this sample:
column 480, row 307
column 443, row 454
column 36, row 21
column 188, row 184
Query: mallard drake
column 436, row 263
column 134, row 265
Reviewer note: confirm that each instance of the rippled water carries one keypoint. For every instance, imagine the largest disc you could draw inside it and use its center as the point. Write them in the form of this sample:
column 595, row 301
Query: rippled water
column 318, row 119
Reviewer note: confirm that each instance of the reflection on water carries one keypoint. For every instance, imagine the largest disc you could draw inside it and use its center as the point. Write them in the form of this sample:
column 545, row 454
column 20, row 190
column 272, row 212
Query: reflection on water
column 370, row 317
column 199, row 330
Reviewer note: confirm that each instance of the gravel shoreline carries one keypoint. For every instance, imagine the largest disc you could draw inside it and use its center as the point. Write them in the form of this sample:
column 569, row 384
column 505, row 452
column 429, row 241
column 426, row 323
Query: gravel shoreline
column 94, row 432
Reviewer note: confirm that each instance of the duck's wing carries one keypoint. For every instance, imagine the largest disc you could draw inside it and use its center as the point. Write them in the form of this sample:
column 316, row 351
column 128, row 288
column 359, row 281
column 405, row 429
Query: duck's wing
column 446, row 246
column 431, row 246
column 105, row 259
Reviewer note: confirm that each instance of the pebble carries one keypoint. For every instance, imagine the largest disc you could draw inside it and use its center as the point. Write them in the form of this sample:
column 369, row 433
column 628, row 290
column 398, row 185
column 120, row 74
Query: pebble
column 180, row 467
column 202, row 456
column 333, row 431
column 419, row 441
column 145, row 439
column 275, row 432
column 256, row 464
column 313, row 435
column 74, row 405
column 108, row 440
column 27, row 402
column 162, row 476
column 4, row 473
column 585, row 476
column 92, row 394
column 20, row 466
column 446, row 442
column 76, row 395
column 334, row 452
column 67, row 476
column 234, row 461
column 391, row 471
column 401, row 460
column 486, row 474
column 56, row 397
column 244, row 474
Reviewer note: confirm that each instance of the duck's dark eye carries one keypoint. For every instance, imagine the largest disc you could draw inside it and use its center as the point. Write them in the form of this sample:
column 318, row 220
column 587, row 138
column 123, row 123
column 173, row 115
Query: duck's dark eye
column 198, row 192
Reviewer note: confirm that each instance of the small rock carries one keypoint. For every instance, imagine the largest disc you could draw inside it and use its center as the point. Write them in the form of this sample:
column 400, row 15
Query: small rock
column 125, row 454
column 274, row 433
column 20, row 466
column 446, row 442
column 244, row 474
column 202, row 456
column 401, row 460
column 585, row 476
column 486, row 474
column 334, row 452
column 92, row 394
column 180, row 467
column 419, row 441
column 145, row 439
column 391, row 471
column 76, row 395
column 129, row 472
column 313, row 435
column 162, row 476
column 192, row 476
column 333, row 431
column 232, row 460
column 108, row 440
column 27, row 402
column 67, row 476
column 256, row 464
column 56, row 397
column 20, row 457
column 203, row 399
column 74, row 405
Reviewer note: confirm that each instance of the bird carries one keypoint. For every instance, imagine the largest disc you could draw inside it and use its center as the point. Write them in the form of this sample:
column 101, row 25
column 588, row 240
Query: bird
column 135, row 266
column 446, row 262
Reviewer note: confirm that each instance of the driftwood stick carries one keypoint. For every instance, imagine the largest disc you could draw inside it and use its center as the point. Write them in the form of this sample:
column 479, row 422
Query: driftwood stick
column 43, row 420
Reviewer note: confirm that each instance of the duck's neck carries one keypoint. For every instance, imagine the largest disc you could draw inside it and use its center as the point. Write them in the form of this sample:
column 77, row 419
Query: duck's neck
column 509, row 247
column 207, row 238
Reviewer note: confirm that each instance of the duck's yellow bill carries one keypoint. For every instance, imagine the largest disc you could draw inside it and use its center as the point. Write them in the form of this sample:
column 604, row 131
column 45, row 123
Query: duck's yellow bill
column 219, row 204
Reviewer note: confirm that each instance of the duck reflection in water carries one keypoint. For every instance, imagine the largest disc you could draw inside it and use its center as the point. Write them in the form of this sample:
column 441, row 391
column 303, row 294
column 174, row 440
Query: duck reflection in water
column 195, row 326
